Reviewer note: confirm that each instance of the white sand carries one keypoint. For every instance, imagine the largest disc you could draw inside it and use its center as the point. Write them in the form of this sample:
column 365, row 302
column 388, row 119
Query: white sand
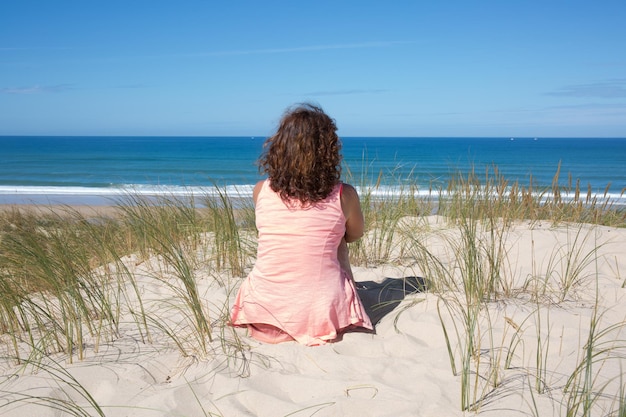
column 403, row 370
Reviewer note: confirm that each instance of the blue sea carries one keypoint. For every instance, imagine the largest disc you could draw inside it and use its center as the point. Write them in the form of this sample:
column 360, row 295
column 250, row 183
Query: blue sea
column 97, row 170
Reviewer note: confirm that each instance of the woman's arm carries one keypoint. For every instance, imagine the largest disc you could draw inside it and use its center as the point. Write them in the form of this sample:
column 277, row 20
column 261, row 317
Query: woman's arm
column 344, row 258
column 355, row 223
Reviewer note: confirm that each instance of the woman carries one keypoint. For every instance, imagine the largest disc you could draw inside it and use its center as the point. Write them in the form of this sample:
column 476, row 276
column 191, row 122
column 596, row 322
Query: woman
column 301, row 287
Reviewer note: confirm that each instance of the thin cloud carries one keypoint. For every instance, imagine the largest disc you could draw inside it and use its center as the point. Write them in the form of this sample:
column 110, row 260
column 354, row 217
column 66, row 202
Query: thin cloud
column 362, row 45
column 591, row 106
column 130, row 86
column 343, row 92
column 604, row 89
column 37, row 89
column 264, row 51
column 34, row 48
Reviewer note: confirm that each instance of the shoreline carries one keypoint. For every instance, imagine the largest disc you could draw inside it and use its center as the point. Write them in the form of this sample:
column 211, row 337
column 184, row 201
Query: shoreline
column 113, row 196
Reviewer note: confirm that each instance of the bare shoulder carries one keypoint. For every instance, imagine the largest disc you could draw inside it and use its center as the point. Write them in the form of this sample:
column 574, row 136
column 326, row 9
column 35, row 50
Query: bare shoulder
column 349, row 198
column 349, row 194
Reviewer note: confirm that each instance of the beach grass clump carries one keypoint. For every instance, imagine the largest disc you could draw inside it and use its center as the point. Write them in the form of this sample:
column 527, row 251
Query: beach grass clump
column 66, row 279
column 53, row 292
column 466, row 269
column 155, row 222
column 178, row 241
column 563, row 273
column 481, row 354
column 385, row 203
column 231, row 228
column 571, row 201
column 494, row 196
column 467, row 262
column 382, row 217
column 589, row 383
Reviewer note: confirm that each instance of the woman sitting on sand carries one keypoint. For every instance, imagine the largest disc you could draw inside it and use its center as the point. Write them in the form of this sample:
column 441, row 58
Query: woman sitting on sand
column 301, row 287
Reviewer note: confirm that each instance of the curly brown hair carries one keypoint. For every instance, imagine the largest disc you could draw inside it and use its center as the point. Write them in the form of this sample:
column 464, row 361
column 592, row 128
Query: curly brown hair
column 302, row 159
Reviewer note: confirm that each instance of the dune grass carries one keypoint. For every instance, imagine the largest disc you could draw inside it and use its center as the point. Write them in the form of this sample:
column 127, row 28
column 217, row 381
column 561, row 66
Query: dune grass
column 67, row 279
column 473, row 275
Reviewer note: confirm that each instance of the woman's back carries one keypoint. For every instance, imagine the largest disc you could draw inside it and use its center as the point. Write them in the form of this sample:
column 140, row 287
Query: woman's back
column 295, row 241
column 297, row 284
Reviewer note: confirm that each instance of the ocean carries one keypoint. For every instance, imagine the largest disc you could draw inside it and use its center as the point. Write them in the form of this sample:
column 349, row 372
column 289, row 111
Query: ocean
column 96, row 170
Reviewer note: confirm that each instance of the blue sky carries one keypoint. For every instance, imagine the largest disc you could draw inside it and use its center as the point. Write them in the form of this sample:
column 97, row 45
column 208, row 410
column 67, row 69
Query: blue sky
column 397, row 68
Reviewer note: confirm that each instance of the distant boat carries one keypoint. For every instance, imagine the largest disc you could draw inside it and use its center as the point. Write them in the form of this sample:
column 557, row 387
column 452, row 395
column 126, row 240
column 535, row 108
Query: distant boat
column 512, row 138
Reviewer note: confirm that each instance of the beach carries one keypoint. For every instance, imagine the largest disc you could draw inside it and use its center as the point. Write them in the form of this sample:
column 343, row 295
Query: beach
column 171, row 173
column 548, row 341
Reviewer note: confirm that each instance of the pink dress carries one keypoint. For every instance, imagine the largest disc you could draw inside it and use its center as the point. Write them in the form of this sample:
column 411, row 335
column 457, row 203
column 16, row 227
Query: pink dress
column 297, row 289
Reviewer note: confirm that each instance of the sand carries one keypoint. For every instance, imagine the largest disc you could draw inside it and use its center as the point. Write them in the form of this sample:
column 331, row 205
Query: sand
column 402, row 370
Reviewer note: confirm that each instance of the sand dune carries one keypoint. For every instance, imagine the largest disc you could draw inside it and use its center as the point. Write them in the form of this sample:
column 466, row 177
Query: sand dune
column 533, row 344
